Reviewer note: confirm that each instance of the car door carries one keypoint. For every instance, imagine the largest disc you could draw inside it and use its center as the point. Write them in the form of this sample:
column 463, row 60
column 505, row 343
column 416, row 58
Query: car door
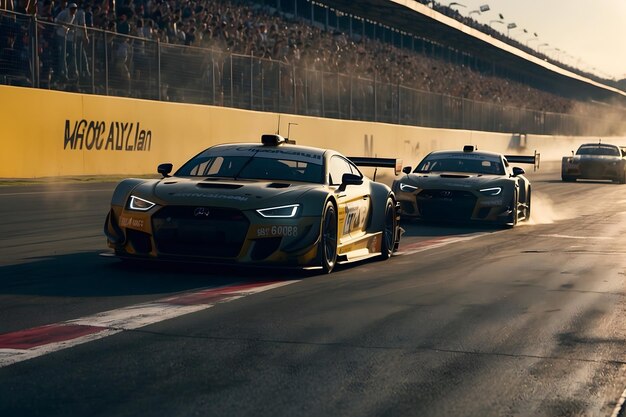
column 353, row 200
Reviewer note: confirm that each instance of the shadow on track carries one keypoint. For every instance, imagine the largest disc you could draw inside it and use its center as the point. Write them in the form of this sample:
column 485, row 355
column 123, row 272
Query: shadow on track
column 419, row 228
column 88, row 274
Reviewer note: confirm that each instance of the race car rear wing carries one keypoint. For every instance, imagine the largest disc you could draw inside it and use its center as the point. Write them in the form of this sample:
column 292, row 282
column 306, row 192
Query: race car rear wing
column 525, row 159
column 365, row 161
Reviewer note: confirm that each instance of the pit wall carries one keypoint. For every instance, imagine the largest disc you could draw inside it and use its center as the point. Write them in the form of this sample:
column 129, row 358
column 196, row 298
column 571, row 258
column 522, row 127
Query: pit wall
column 48, row 133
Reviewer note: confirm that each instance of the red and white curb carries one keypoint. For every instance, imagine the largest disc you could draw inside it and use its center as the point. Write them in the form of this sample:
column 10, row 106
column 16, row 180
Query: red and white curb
column 30, row 343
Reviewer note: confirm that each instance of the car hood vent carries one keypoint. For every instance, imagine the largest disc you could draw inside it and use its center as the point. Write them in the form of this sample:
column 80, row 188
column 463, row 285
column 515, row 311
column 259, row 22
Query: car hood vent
column 278, row 185
column 454, row 176
column 219, row 185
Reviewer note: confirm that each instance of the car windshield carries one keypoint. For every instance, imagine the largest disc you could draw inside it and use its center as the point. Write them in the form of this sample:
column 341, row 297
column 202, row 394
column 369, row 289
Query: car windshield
column 252, row 167
column 598, row 150
column 473, row 165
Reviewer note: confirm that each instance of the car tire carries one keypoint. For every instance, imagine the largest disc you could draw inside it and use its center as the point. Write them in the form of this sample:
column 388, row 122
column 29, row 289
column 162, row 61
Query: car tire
column 389, row 231
column 567, row 178
column 327, row 248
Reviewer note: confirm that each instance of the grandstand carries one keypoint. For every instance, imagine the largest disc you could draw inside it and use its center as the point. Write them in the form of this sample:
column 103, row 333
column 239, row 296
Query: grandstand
column 380, row 60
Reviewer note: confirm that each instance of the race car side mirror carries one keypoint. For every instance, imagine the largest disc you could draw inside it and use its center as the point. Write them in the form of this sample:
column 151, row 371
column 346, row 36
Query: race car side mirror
column 350, row 179
column 406, row 170
column 518, row 171
column 165, row 169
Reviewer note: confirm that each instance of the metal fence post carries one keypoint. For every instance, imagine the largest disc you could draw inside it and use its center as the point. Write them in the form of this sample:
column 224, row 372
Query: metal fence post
column 375, row 100
column 323, row 96
column 295, row 89
column 93, row 62
column 399, row 118
column 306, row 91
column 106, row 64
column 251, row 82
column 280, row 67
column 338, row 98
column 159, row 79
column 35, row 52
column 232, row 98
column 213, row 77
column 350, row 98
column 262, row 86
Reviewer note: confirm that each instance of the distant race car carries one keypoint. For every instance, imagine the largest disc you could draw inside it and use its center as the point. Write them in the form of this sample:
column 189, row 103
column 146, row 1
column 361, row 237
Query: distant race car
column 467, row 185
column 595, row 161
column 269, row 203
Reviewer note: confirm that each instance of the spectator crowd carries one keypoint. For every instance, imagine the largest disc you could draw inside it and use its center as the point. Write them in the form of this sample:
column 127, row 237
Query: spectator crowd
column 252, row 29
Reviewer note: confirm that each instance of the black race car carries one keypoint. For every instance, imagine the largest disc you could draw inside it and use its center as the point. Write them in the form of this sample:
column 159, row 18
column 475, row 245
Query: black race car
column 467, row 185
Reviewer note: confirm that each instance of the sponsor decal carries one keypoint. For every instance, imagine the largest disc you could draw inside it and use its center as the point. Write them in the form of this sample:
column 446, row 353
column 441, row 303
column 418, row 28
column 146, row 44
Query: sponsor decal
column 273, row 153
column 100, row 135
column 356, row 215
column 276, row 230
column 492, row 203
column 131, row 222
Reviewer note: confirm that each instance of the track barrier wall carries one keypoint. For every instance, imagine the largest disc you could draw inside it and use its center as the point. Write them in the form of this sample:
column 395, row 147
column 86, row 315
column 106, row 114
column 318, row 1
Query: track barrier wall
column 48, row 133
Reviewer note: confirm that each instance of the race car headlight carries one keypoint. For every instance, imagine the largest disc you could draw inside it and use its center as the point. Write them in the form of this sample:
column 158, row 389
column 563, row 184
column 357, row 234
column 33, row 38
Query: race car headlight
column 283, row 212
column 140, row 204
column 407, row 188
column 491, row 191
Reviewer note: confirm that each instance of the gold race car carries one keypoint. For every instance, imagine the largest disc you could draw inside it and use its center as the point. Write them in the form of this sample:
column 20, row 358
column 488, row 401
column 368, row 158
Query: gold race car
column 269, row 203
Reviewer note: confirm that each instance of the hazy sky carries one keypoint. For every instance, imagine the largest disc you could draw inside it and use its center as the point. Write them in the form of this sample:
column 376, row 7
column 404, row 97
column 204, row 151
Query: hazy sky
column 589, row 34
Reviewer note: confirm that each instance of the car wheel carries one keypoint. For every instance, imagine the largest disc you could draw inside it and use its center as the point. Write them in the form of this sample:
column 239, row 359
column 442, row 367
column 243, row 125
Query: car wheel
column 567, row 178
column 622, row 178
column 328, row 242
column 389, row 231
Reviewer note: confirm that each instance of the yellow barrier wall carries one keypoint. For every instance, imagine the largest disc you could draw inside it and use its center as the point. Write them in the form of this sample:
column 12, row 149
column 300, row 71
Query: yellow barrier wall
column 48, row 133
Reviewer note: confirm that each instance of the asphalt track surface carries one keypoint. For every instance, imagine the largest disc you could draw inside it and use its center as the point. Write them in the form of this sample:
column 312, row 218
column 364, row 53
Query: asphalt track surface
column 464, row 321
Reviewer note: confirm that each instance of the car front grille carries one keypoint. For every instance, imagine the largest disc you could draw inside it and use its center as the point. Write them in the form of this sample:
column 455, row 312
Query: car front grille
column 594, row 169
column 207, row 232
column 446, row 204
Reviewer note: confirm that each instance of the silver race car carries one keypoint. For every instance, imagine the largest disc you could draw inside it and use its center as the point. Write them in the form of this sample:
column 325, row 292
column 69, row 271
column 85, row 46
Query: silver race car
column 595, row 161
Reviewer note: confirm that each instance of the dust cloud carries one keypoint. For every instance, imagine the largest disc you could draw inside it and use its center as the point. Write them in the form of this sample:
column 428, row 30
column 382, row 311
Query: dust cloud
column 600, row 119
column 544, row 211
